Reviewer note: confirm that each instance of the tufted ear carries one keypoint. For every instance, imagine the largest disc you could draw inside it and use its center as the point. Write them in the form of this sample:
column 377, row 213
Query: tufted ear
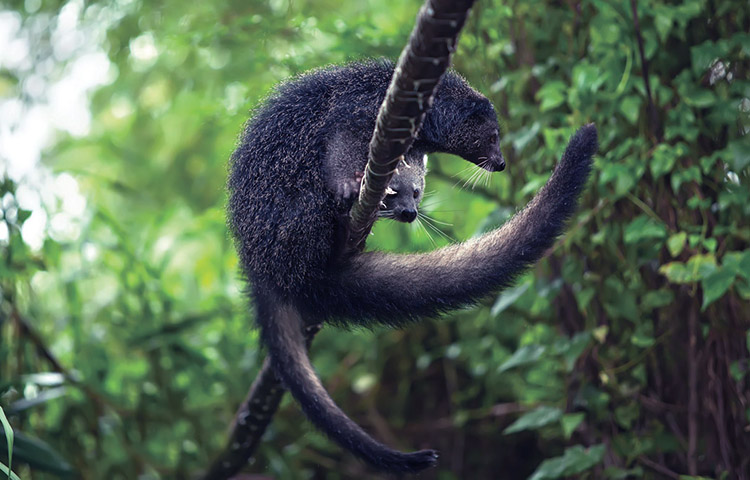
column 424, row 161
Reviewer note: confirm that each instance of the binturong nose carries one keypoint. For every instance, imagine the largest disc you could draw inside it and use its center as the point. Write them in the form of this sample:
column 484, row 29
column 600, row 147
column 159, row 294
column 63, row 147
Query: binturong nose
column 501, row 164
column 408, row 215
column 497, row 163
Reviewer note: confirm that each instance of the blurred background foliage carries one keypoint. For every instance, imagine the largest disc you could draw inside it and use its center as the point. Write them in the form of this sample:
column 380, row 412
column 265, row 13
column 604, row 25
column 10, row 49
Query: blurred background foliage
column 126, row 343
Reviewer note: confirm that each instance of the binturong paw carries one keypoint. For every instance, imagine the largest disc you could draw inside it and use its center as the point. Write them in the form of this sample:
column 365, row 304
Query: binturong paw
column 349, row 189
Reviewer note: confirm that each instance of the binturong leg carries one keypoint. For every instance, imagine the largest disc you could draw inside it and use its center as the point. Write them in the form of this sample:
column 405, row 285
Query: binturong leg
column 393, row 288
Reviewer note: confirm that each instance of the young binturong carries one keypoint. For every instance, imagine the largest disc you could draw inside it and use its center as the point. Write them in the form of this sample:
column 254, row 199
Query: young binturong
column 294, row 177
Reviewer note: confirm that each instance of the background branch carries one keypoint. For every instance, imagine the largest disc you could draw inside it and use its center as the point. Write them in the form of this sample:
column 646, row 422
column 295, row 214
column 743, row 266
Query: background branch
column 251, row 419
column 653, row 117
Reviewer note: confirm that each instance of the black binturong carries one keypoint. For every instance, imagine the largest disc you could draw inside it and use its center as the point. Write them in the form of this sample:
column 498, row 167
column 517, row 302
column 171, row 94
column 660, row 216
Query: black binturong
column 292, row 182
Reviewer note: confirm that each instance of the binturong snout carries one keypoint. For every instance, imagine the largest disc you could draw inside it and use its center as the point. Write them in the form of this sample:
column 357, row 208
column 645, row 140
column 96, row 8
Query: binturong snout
column 407, row 215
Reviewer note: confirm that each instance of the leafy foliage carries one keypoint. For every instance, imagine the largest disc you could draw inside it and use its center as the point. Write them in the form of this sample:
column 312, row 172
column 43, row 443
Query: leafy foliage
column 125, row 341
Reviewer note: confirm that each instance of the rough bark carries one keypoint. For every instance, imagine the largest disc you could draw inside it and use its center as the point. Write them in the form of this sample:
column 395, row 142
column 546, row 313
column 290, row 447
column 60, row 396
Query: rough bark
column 420, row 67
column 251, row 420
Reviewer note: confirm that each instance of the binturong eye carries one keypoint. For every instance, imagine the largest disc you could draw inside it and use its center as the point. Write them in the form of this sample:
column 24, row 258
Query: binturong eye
column 494, row 138
column 416, row 193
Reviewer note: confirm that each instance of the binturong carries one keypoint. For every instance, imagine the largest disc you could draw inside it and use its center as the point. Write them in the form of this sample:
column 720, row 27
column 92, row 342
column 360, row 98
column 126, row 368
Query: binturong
column 293, row 179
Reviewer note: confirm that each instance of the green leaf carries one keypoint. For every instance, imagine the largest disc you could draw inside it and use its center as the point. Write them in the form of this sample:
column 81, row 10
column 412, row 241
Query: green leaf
column 620, row 175
column 711, row 244
column 689, row 9
column 584, row 297
column 743, row 267
column 642, row 228
column 663, row 25
column 700, row 98
column 715, row 285
column 701, row 265
column 6, row 470
column 587, row 77
column 676, row 272
column 626, row 414
column 737, row 370
column 631, row 108
column 742, row 287
column 689, row 174
column 552, row 95
column 535, row 419
column 8, row 438
column 522, row 356
column 696, row 268
column 40, row 456
column 575, row 460
column 615, row 473
column 600, row 333
column 657, row 299
column 526, row 136
column 643, row 336
column 570, row 421
column 619, row 301
column 740, row 154
column 572, row 348
column 676, row 243
column 662, row 160
column 507, row 298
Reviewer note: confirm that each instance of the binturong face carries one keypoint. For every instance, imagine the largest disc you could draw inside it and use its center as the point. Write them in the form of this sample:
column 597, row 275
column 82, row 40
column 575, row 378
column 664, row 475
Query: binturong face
column 405, row 190
column 482, row 146
column 462, row 122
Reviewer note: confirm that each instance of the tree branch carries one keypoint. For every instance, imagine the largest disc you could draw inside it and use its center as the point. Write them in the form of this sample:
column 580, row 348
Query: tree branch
column 692, row 379
column 251, row 419
column 420, row 67
column 26, row 330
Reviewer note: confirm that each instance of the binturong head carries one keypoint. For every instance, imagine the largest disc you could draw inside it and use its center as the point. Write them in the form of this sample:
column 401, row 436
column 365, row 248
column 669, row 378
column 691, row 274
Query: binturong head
column 405, row 190
column 480, row 143
column 462, row 122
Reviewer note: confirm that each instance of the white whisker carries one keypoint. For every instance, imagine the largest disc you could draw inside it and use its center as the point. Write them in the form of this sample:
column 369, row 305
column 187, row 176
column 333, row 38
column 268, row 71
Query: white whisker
column 431, row 223
column 421, row 225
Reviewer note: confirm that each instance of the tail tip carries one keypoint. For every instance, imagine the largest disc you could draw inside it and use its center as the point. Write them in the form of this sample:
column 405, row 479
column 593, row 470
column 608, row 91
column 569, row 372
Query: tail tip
column 586, row 139
column 420, row 460
column 413, row 462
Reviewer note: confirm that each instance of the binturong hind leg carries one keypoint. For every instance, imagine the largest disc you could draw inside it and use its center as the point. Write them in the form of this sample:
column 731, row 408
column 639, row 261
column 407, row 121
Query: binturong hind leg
column 281, row 327
column 391, row 288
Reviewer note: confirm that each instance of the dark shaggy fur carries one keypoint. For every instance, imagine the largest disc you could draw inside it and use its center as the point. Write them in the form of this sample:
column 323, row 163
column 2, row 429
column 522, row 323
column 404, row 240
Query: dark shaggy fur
column 286, row 204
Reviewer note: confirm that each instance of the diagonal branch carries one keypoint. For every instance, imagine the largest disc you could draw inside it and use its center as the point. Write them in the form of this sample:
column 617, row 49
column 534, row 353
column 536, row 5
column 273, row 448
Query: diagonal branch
column 420, row 67
column 251, row 419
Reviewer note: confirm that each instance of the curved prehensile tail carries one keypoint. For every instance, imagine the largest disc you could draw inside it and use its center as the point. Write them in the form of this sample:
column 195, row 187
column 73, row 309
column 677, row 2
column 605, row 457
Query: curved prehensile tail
column 282, row 333
column 390, row 288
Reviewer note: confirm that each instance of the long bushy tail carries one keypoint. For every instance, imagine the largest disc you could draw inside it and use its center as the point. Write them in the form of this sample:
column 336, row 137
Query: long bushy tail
column 388, row 288
column 282, row 333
